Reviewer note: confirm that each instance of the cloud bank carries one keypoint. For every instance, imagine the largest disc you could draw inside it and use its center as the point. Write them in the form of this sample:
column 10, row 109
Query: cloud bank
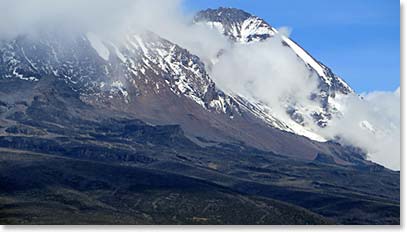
column 372, row 123
column 109, row 19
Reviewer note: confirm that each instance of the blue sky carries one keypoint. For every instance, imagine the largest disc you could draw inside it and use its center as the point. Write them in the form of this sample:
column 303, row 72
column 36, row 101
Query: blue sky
column 358, row 39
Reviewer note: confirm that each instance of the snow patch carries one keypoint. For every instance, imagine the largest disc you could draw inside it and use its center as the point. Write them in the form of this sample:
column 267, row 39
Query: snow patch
column 367, row 126
column 98, row 45
column 119, row 85
column 118, row 53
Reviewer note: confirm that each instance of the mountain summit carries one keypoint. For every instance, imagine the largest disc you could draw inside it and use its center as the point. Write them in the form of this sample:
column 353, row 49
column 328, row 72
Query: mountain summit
column 237, row 24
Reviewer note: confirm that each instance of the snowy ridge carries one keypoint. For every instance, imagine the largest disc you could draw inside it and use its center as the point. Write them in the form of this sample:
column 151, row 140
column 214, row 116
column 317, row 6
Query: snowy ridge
column 105, row 69
column 181, row 71
column 308, row 60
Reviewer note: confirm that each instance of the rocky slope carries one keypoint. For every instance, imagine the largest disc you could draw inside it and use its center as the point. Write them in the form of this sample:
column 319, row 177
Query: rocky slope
column 59, row 154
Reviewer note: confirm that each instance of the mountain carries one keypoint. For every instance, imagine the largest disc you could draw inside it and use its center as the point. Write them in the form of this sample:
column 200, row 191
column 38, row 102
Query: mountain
column 156, row 81
column 146, row 110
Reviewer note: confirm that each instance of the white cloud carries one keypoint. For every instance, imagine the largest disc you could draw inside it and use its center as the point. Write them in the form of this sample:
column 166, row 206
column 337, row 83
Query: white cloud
column 109, row 19
column 33, row 16
column 265, row 71
column 371, row 123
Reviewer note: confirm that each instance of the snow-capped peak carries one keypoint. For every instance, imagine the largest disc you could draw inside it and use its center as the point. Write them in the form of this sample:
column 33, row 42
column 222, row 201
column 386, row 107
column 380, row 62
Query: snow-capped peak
column 244, row 28
column 238, row 25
